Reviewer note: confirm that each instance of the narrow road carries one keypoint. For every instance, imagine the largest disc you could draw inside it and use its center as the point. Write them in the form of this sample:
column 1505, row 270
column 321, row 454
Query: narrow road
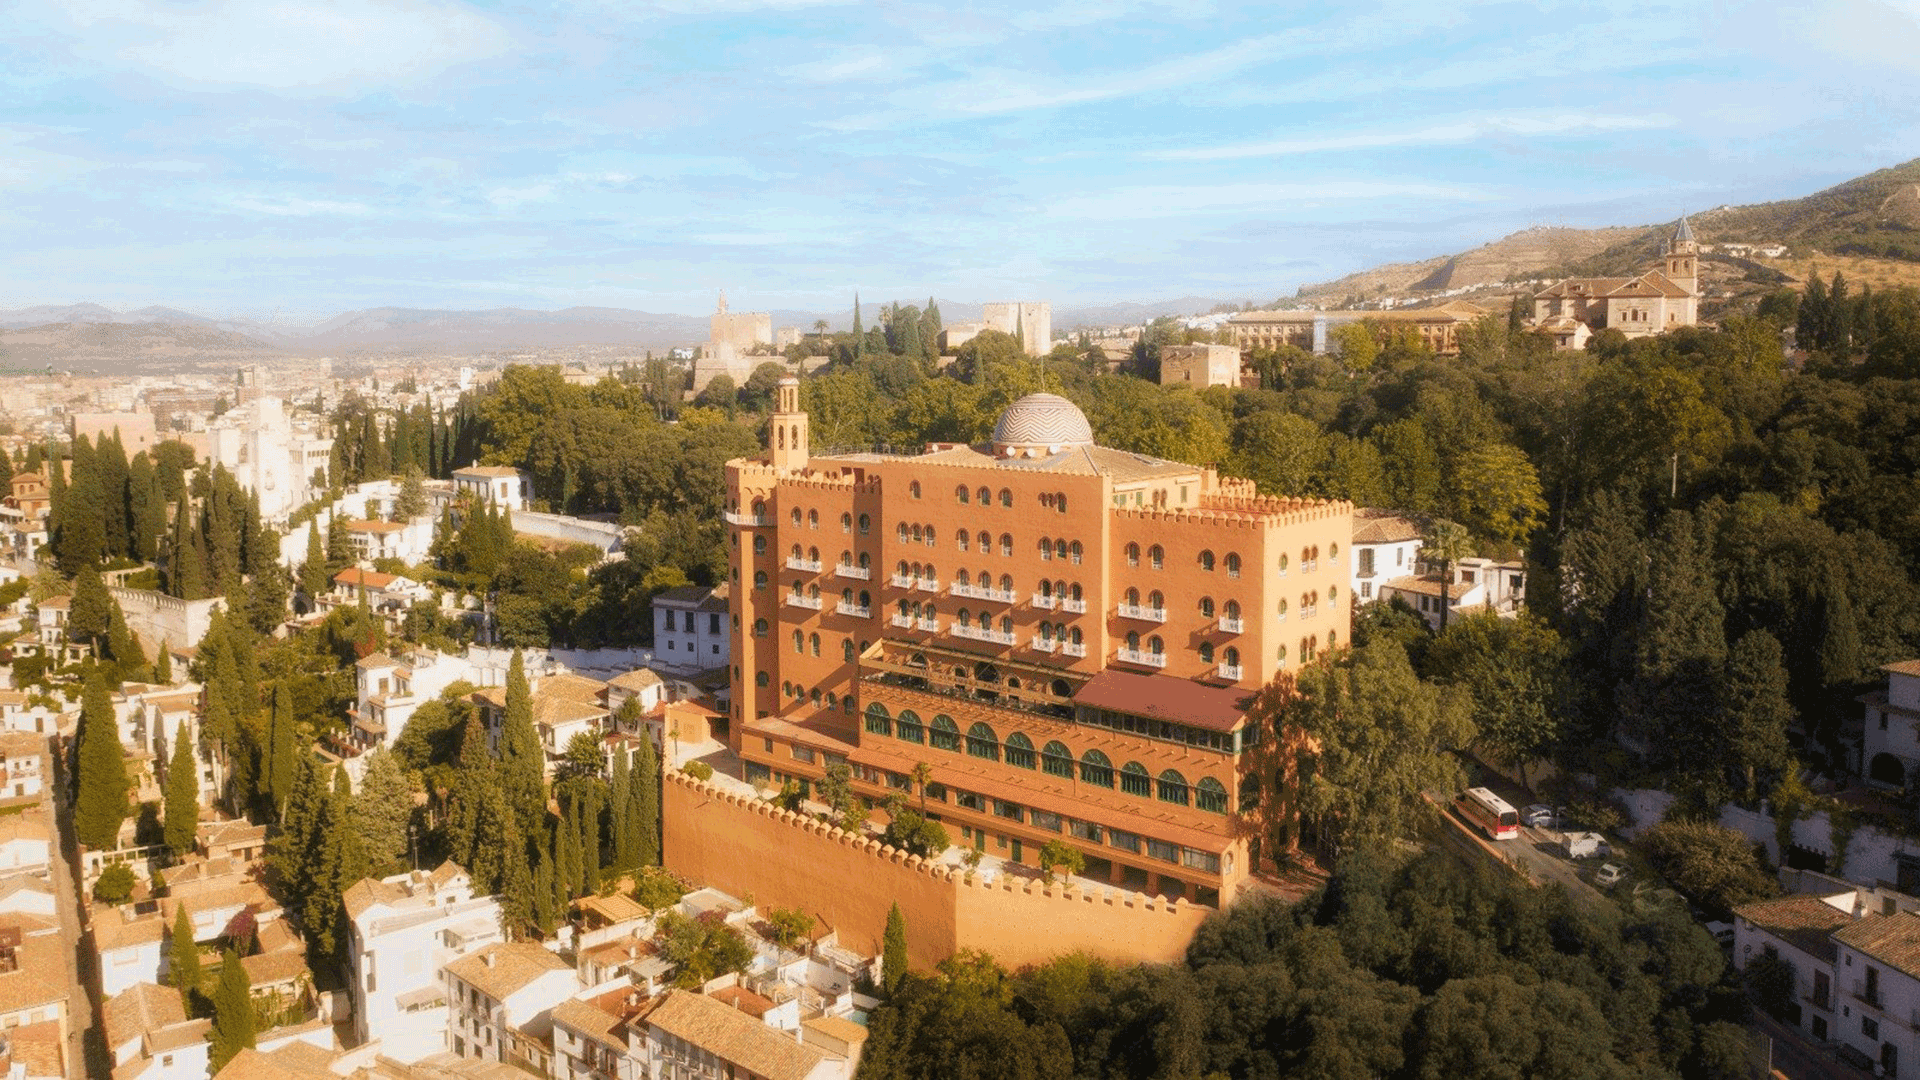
column 82, row 1011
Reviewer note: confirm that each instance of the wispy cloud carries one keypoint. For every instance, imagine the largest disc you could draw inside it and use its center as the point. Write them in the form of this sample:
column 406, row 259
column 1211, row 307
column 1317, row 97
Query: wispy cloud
column 1279, row 199
column 284, row 206
column 1513, row 125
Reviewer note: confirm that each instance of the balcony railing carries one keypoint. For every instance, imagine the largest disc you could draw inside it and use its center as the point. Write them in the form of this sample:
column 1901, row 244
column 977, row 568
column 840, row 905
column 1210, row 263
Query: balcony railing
column 854, row 610
column 927, row 584
column 931, row 626
column 1077, row 607
column 1144, row 614
column 904, row 622
column 1073, row 648
column 902, row 581
column 1862, row 994
column 1147, row 659
column 813, row 602
column 981, row 633
column 1044, row 644
column 984, row 592
column 1231, row 626
column 848, row 570
column 1229, row 671
column 736, row 518
column 1046, row 602
column 794, row 562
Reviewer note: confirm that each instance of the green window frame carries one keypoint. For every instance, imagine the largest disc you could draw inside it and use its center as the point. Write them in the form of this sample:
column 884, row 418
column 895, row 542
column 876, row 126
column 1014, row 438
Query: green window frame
column 1096, row 769
column 1057, row 760
column 1134, row 780
column 1019, row 751
column 944, row 734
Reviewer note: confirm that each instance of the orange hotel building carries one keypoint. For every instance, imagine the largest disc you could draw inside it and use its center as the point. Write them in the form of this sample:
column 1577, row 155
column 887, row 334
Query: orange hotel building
column 1067, row 634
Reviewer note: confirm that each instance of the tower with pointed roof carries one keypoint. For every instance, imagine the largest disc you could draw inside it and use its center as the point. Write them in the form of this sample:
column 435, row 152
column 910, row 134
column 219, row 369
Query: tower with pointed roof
column 1683, row 258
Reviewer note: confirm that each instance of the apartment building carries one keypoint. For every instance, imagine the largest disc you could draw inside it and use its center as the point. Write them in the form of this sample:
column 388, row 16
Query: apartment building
column 500, row 1003
column 1067, row 635
column 690, row 629
column 401, row 931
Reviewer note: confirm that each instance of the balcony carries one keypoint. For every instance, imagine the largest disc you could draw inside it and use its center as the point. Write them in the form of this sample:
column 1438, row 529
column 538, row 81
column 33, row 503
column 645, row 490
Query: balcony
column 902, row 581
column 1145, row 659
column 927, row 584
column 1230, row 672
column 855, row 610
column 761, row 521
column 977, row 633
column 1232, row 626
column 1045, row 602
column 1143, row 614
column 984, row 592
column 1073, row 648
column 931, row 626
column 811, row 566
column 904, row 622
column 1046, row 645
column 1077, row 607
column 1869, row 996
column 812, row 602
column 848, row 570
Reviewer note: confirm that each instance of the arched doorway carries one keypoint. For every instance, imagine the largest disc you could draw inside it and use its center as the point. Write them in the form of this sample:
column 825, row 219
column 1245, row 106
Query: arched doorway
column 1887, row 769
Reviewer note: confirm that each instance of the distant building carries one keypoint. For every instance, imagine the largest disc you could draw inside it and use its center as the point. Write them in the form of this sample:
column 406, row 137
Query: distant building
column 270, row 455
column 690, row 629
column 1031, row 322
column 1469, row 586
column 1386, row 545
column 1651, row 302
column 507, row 488
column 136, row 429
column 1437, row 326
column 1200, row 366
column 402, row 931
column 734, row 341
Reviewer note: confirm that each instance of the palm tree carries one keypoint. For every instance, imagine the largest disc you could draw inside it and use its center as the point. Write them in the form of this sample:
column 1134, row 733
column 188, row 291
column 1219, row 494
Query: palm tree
column 922, row 774
column 1446, row 543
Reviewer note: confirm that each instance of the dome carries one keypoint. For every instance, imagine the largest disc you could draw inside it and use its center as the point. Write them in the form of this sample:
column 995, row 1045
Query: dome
column 1039, row 425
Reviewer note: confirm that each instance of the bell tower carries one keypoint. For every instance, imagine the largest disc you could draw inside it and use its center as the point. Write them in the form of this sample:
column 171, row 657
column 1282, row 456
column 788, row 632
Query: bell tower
column 787, row 428
column 1683, row 258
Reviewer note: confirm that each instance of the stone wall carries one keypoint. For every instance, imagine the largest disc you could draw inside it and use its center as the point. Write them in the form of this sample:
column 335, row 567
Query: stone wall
column 158, row 618
column 748, row 847
column 603, row 535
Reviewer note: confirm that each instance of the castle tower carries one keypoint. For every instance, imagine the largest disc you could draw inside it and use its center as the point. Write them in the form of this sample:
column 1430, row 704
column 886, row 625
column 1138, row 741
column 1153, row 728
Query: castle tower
column 1683, row 258
column 787, row 429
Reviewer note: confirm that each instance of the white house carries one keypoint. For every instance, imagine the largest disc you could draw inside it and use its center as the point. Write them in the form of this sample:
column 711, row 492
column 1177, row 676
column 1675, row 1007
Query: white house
column 387, row 691
column 505, row 487
column 1890, row 744
column 1385, row 546
column 1877, row 965
column 270, row 455
column 1471, row 585
column 500, row 1002
column 128, row 941
column 1797, row 929
column 688, row 1026
column 690, row 631
column 26, row 845
column 150, row 1037
column 402, row 930
column 22, row 765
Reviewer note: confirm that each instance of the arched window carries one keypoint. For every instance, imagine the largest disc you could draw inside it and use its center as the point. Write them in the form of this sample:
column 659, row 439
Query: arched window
column 1060, row 502
column 1210, row 795
column 1206, row 608
column 1155, row 646
column 944, row 734
column 928, row 537
column 813, row 553
column 1206, row 652
column 1074, row 592
column 1283, row 566
column 795, row 553
column 907, row 727
column 1060, row 550
column 833, row 700
column 1133, row 641
column 983, row 743
column 1206, row 561
column 1156, row 557
column 866, row 524
column 986, row 542
column 759, row 579
column 1046, row 548
column 813, row 642
column 1073, row 635
column 1006, row 623
column 900, row 532
column 760, row 509
column 759, row 545
column 1173, row 787
column 813, row 519
column 866, row 562
column 799, row 642
column 846, row 523
column 846, row 648
column 1280, row 656
column 866, row 599
column 795, row 516
column 1333, row 594
column 815, row 695
column 1006, row 545
column 1096, row 769
column 1046, row 632
column 1133, row 597
column 960, row 540
column 759, row 628
column 1133, row 554
column 1074, row 551
column 961, row 579
column 1333, row 638
column 1006, row 497
column 1006, row 583
column 760, row 679
column 964, row 618
column 1155, row 601
column 986, row 497
column 1283, row 610
column 1134, row 779
column 900, row 569
column 813, row 592
column 1333, row 551
column 913, row 489
column 962, row 494
column 1019, row 751
column 1231, row 656
column 1233, row 565
column 1056, row 759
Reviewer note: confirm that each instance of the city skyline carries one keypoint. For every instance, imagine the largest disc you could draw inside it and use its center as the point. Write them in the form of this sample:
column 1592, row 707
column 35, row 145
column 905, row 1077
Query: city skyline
column 248, row 160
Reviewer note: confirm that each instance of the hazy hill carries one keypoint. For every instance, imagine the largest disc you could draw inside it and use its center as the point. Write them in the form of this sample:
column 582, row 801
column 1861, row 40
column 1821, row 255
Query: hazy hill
column 121, row 347
column 1510, row 258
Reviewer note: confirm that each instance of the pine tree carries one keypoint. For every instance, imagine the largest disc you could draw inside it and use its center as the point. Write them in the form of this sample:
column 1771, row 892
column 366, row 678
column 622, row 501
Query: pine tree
column 293, row 853
column 620, row 815
column 412, row 500
column 1810, row 331
column 233, row 1019
column 280, row 746
column 893, row 950
column 183, row 962
column 101, row 803
column 381, row 812
column 522, row 761
column 646, row 805
column 313, row 572
column 183, row 793
column 339, row 545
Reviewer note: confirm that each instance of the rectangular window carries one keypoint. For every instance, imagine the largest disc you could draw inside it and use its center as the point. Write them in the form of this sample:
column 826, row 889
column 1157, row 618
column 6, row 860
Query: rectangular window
column 1040, row 819
column 1163, row 851
column 900, row 781
column 1084, row 830
column 758, row 774
column 936, row 792
column 1869, row 1026
column 1200, row 860
column 969, row 800
column 1125, row 841
column 803, row 753
column 713, row 622
column 1011, row 811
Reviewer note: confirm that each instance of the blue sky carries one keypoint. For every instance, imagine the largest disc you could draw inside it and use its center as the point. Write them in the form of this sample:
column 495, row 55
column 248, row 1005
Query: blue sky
column 254, row 157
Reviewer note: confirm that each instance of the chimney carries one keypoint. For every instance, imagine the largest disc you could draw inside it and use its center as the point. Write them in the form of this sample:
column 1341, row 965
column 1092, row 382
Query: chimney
column 1859, row 904
column 487, row 958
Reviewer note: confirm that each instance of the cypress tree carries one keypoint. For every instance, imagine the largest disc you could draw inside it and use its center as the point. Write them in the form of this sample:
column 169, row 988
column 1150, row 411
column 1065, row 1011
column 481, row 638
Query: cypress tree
column 859, row 336
column 163, row 664
column 1810, row 330
column 474, row 778
column 90, row 614
column 516, row 882
column 930, row 328
column 620, row 815
column 1840, row 640
column 893, row 950
column 546, row 917
column 233, row 1019
column 183, row 962
column 1839, row 330
column 293, row 853
column 339, row 545
column 646, row 805
column 522, row 762
column 124, row 648
column 183, row 794
column 101, row 804
column 280, row 746
column 313, row 572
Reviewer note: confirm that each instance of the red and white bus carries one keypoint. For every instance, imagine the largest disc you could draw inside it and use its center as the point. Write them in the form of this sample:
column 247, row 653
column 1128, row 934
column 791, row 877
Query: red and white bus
column 1489, row 812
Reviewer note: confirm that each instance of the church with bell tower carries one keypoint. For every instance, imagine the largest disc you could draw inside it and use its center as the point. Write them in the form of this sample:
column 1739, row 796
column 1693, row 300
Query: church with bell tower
column 1648, row 303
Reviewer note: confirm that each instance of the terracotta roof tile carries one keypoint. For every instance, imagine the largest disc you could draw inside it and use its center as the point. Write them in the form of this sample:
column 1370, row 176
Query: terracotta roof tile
column 1893, row 940
column 502, row 969
column 1806, row 922
column 733, row 1036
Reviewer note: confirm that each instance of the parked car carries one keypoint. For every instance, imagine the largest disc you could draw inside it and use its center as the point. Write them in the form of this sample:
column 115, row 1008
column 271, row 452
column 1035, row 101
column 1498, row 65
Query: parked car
column 1585, row 845
column 1722, row 932
column 1538, row 816
column 1609, row 875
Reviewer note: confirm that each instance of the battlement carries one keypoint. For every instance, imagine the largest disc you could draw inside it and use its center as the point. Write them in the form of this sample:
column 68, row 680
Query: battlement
column 1252, row 512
